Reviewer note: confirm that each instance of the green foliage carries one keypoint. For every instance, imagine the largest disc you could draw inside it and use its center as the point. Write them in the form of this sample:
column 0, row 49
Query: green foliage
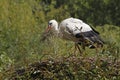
column 96, row 12
column 22, row 23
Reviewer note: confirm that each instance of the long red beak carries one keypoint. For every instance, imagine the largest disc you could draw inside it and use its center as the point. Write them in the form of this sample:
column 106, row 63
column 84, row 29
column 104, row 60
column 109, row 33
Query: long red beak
column 48, row 28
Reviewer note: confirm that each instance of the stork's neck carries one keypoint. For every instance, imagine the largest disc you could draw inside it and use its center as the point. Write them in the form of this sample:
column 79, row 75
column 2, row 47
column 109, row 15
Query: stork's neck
column 56, row 27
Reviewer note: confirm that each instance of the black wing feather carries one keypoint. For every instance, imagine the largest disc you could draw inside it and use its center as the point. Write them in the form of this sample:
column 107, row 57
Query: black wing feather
column 92, row 36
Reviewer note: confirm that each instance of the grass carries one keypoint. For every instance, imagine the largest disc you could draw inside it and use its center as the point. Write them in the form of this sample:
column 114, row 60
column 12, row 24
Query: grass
column 55, row 54
column 21, row 47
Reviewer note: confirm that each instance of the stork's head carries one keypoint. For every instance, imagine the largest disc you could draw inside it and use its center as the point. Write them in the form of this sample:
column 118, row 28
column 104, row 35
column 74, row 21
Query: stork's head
column 52, row 25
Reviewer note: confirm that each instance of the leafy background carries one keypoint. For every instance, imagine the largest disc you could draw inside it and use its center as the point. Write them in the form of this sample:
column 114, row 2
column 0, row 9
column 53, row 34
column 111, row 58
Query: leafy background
column 22, row 23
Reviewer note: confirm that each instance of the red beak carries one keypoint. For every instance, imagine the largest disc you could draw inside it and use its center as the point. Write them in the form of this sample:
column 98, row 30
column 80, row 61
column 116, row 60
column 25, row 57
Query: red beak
column 48, row 28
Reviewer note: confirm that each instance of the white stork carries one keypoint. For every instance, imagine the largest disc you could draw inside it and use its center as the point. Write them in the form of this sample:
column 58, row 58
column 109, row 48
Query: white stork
column 77, row 31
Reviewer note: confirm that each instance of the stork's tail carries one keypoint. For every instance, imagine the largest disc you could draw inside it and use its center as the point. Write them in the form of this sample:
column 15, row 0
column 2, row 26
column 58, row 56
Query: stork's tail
column 94, row 38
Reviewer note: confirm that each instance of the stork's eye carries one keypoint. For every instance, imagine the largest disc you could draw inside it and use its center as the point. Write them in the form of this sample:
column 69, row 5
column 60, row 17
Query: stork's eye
column 50, row 23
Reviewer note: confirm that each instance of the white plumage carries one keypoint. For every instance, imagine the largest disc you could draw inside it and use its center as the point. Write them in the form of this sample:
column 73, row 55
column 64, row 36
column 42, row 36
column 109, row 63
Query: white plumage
column 75, row 30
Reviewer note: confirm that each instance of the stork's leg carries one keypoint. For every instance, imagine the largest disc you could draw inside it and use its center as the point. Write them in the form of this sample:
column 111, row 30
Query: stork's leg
column 98, row 47
column 77, row 47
